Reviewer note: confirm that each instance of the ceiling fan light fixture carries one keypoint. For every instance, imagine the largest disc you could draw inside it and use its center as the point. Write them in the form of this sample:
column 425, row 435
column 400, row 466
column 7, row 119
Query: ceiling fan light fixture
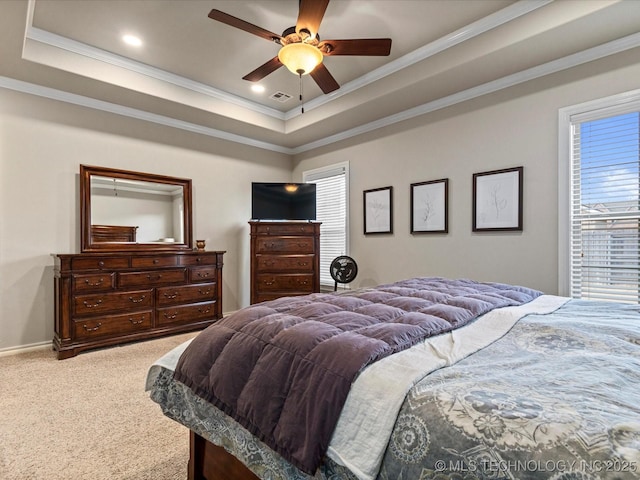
column 300, row 58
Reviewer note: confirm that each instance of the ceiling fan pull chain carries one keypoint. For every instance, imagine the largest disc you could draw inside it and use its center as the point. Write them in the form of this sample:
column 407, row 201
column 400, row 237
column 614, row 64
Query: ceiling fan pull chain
column 301, row 102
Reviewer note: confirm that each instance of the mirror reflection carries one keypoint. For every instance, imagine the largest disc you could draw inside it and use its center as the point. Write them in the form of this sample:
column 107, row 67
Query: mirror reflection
column 124, row 210
column 121, row 210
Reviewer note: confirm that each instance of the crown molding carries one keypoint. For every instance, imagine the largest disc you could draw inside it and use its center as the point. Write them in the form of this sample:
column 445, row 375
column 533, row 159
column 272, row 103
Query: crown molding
column 518, row 9
column 93, row 53
column 468, row 32
column 595, row 53
column 80, row 100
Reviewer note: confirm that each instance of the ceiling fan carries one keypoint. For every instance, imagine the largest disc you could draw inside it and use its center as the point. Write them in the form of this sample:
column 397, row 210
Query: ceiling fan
column 301, row 49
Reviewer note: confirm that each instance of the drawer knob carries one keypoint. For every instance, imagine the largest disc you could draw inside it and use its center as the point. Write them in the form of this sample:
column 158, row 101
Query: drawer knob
column 303, row 282
column 198, row 260
column 92, row 305
column 204, row 292
column 303, row 264
column 133, row 300
column 171, row 316
column 204, row 310
column 155, row 261
column 101, row 264
column 95, row 284
column 92, row 329
column 154, row 277
column 269, row 282
column 136, row 322
column 171, row 295
column 203, row 275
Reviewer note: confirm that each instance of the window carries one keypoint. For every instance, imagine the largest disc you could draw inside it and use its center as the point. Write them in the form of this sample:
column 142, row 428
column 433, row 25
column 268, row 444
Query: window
column 332, row 190
column 604, row 203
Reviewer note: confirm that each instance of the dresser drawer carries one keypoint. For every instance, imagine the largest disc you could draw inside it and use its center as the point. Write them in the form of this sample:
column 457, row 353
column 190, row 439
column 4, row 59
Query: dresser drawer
column 285, row 263
column 188, row 294
column 99, row 263
column 202, row 274
column 186, row 313
column 294, row 283
column 112, row 324
column 267, row 296
column 112, row 302
column 285, row 244
column 285, row 229
column 94, row 282
column 159, row 261
column 199, row 260
column 152, row 277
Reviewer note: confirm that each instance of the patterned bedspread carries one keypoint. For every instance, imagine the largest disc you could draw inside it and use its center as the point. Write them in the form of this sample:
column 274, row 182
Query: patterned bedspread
column 557, row 398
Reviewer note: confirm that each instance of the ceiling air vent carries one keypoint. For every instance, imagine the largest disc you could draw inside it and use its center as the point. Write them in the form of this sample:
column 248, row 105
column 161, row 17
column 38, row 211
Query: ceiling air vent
column 280, row 97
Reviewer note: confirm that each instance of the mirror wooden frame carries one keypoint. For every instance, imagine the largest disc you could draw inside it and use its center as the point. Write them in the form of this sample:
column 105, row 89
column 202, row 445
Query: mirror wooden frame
column 86, row 240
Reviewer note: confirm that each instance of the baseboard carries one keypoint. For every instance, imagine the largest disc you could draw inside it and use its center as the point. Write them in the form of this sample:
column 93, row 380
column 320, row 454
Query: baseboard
column 25, row 348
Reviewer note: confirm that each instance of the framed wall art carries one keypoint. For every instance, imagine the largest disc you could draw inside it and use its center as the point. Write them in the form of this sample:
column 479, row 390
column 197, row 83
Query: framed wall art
column 497, row 200
column 378, row 210
column 429, row 206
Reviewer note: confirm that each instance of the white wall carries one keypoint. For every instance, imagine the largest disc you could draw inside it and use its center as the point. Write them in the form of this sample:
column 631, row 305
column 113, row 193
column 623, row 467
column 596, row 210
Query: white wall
column 514, row 127
column 42, row 144
column 152, row 214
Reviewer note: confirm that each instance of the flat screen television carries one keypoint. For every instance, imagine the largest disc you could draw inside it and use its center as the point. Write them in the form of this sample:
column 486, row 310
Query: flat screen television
column 283, row 201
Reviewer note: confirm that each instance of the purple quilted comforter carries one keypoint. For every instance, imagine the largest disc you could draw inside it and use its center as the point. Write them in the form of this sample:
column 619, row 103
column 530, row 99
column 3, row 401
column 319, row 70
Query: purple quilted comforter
column 283, row 368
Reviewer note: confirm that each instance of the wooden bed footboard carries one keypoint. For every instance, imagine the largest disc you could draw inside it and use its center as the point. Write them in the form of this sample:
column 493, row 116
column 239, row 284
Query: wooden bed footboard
column 211, row 462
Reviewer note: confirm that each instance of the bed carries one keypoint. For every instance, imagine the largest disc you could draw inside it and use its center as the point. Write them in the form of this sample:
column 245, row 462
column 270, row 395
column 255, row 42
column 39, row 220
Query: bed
column 515, row 384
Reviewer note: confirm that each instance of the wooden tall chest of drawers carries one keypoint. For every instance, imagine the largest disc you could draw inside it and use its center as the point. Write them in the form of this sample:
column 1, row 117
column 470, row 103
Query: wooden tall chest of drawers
column 104, row 299
column 285, row 259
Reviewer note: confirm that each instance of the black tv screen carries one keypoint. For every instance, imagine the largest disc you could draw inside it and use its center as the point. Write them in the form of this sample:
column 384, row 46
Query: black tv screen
column 283, row 201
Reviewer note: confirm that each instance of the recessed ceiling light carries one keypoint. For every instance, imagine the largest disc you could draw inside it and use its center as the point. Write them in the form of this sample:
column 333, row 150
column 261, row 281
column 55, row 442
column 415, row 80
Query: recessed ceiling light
column 257, row 88
column 132, row 40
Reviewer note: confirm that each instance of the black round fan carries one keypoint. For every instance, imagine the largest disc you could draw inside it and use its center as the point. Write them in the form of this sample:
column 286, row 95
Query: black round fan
column 343, row 269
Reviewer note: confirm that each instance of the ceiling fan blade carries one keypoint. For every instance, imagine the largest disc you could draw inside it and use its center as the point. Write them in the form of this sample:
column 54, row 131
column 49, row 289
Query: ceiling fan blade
column 310, row 15
column 324, row 79
column 263, row 70
column 242, row 25
column 361, row 46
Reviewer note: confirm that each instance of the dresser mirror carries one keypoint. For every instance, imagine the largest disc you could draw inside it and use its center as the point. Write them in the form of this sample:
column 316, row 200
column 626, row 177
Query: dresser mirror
column 126, row 211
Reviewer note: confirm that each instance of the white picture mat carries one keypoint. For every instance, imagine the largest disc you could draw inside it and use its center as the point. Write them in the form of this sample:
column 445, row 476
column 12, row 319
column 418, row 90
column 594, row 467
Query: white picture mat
column 429, row 207
column 378, row 211
column 497, row 200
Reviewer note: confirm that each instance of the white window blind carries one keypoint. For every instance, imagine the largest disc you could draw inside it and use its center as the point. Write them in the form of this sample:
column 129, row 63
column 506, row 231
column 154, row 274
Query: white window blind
column 605, row 207
column 331, row 209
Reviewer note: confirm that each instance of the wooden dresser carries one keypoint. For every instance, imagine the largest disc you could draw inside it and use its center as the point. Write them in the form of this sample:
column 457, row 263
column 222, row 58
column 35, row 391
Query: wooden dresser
column 109, row 298
column 285, row 259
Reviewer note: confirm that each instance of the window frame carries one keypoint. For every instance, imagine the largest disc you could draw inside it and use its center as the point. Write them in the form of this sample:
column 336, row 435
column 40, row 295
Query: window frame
column 618, row 104
column 325, row 172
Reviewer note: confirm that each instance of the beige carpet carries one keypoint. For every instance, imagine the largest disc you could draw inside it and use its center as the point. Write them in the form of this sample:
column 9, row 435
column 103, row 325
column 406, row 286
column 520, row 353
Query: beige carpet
column 87, row 417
